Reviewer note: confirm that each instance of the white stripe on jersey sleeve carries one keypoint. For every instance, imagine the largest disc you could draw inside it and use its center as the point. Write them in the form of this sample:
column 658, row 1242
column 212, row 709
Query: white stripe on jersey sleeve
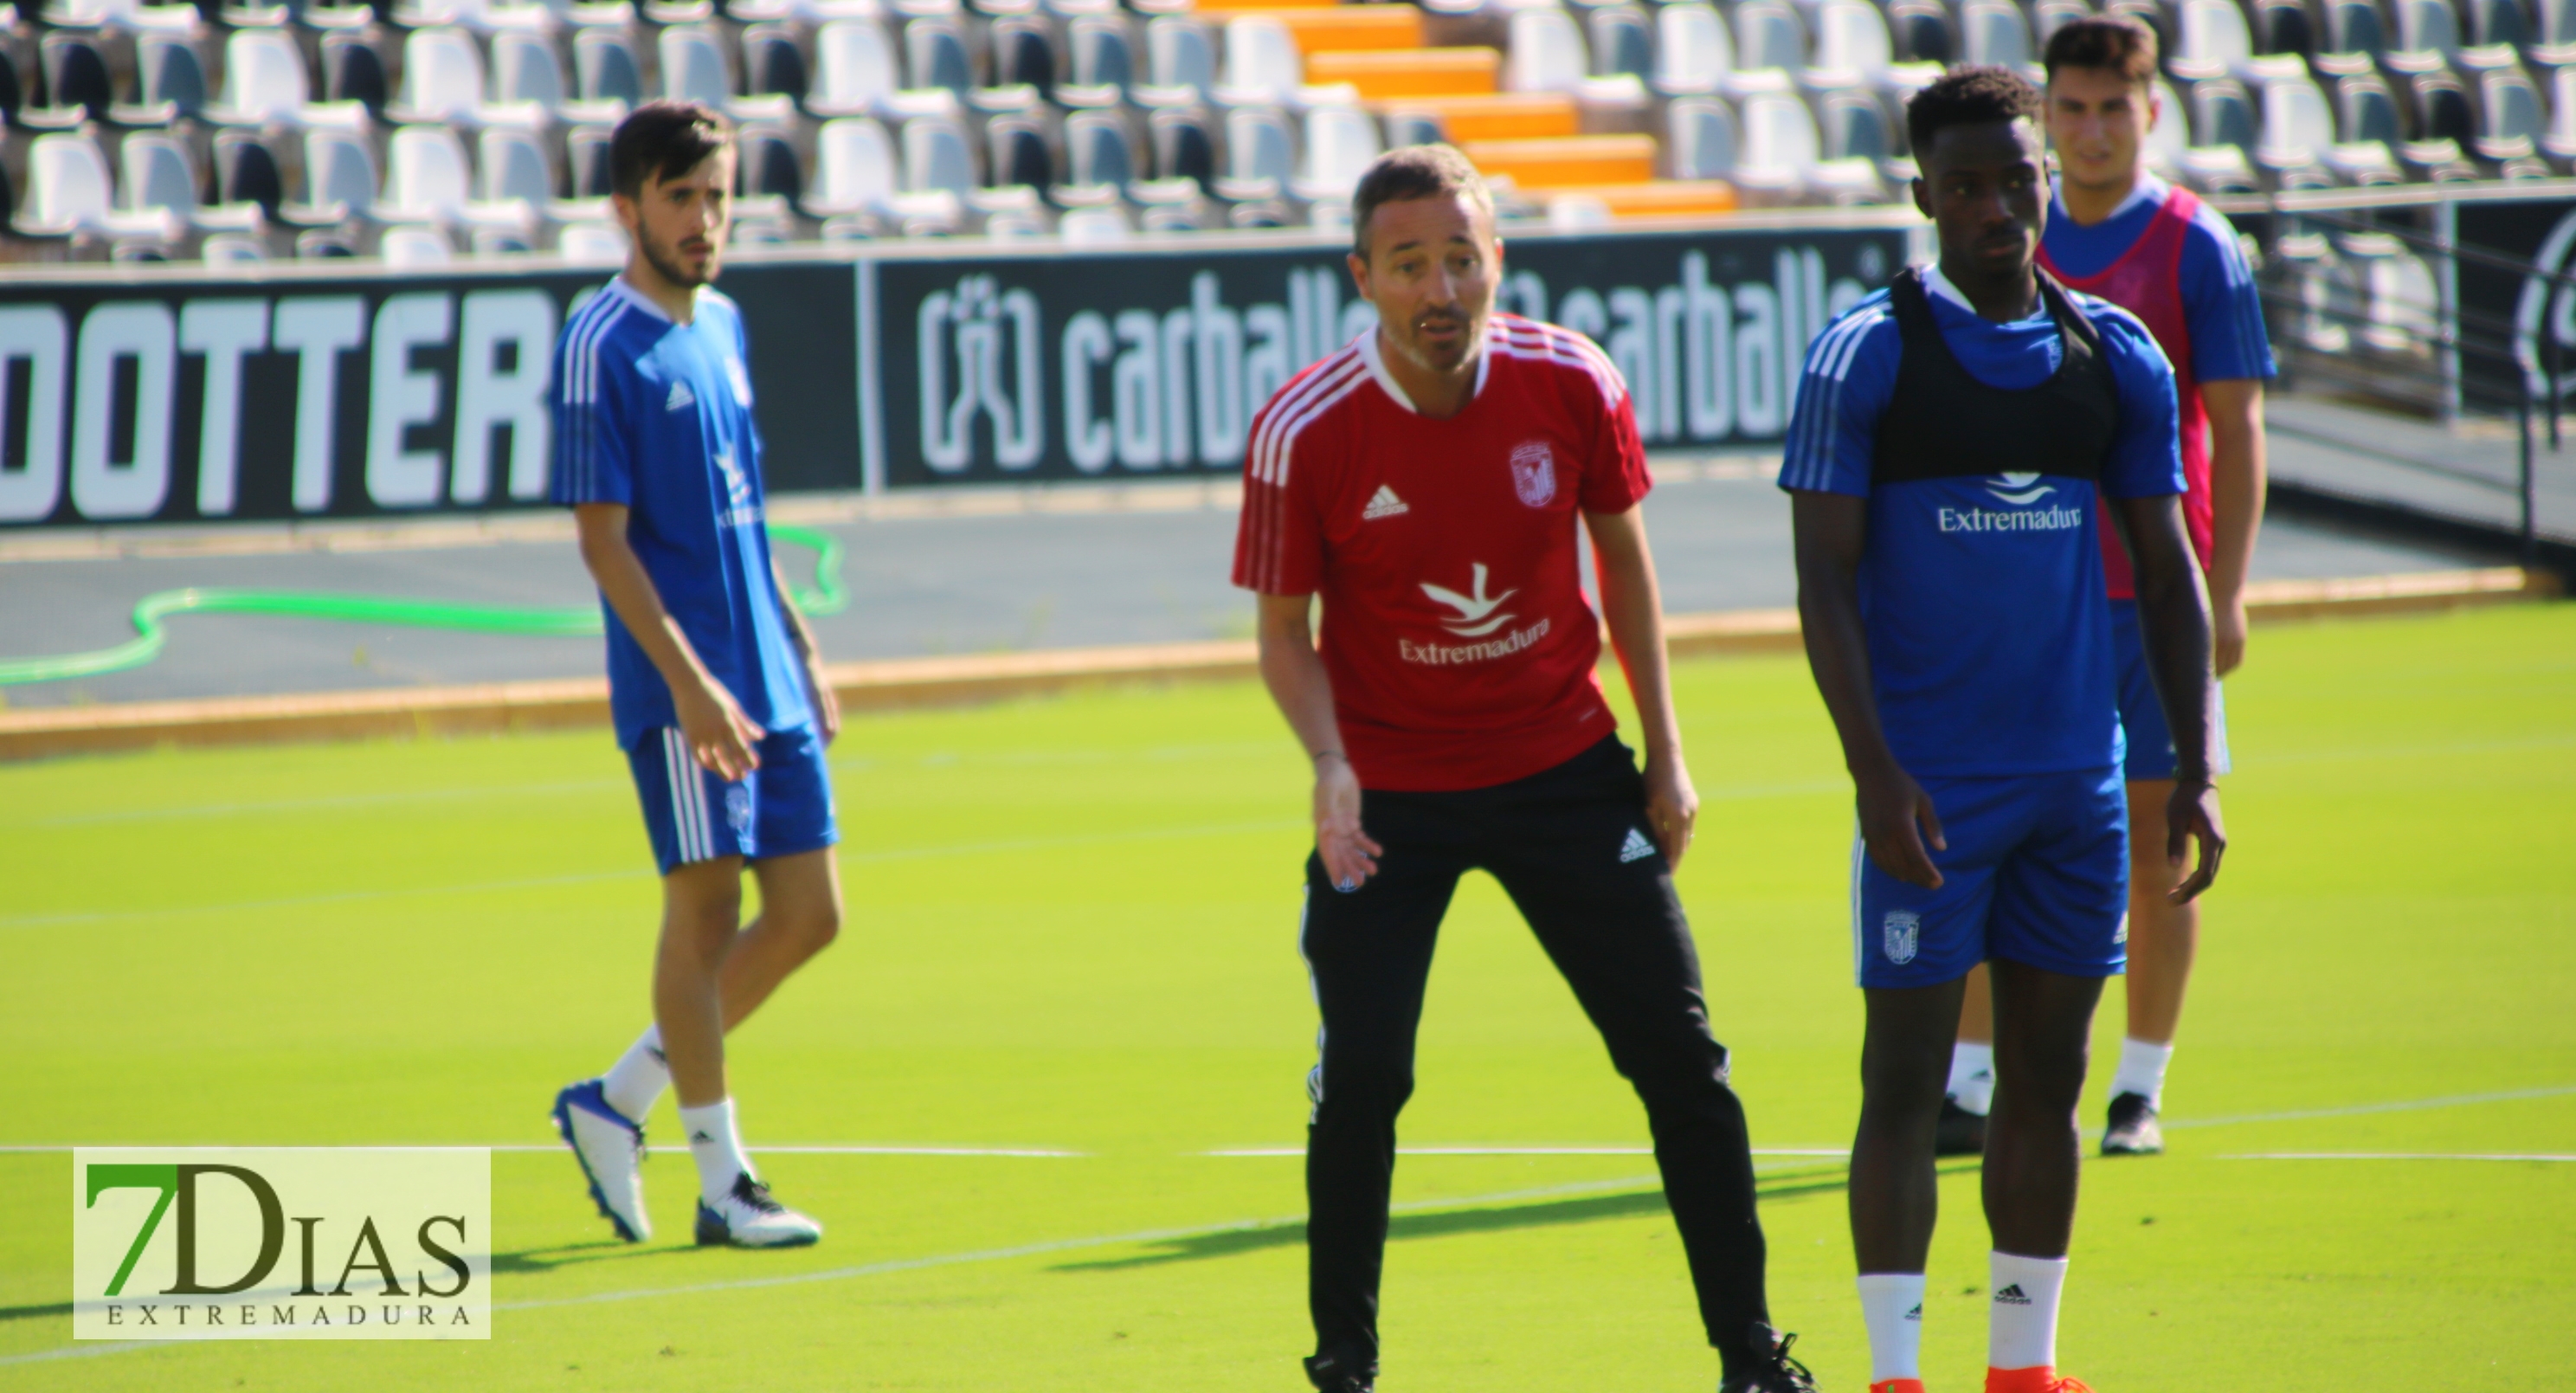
column 1809, row 460
column 579, row 391
column 1282, row 423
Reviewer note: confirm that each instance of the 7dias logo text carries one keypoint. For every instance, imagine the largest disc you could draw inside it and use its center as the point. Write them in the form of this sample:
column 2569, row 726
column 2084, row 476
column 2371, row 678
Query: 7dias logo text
column 284, row 1243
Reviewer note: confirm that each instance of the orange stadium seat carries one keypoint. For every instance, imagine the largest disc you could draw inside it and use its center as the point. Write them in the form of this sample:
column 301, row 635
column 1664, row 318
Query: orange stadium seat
column 1659, row 198
column 1496, row 115
column 1565, row 162
column 1337, row 28
column 1411, row 72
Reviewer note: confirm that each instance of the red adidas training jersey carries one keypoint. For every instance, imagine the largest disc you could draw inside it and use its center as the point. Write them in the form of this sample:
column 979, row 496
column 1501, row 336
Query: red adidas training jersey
column 1455, row 630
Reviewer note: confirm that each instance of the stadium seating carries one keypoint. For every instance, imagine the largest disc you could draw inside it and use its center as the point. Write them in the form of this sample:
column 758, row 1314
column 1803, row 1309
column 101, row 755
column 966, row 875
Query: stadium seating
column 429, row 128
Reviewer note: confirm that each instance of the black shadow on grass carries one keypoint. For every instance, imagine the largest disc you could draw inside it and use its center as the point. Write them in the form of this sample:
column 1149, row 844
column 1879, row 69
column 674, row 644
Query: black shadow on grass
column 1576, row 1209
column 10, row 1313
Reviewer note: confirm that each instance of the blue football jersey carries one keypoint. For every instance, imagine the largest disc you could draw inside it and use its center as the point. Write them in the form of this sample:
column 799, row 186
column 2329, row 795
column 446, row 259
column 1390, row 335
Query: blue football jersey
column 656, row 416
column 1989, row 632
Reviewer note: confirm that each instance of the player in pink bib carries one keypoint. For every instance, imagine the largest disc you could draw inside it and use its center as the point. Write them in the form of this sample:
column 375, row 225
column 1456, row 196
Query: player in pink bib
column 2118, row 232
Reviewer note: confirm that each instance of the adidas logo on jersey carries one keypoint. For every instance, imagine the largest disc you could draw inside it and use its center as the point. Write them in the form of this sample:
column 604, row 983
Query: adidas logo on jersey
column 680, row 396
column 2011, row 1296
column 1636, row 848
column 1384, row 504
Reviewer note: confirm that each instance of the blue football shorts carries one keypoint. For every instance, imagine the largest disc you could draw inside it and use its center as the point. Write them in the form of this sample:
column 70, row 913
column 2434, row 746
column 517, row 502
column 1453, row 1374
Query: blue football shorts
column 779, row 809
column 2142, row 716
column 2037, row 873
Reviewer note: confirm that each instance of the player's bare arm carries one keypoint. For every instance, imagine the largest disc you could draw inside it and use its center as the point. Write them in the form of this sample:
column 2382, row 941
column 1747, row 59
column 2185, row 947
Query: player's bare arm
column 1295, row 675
column 1632, row 606
column 2174, row 618
column 827, row 707
column 721, row 737
column 1896, row 816
column 2237, row 473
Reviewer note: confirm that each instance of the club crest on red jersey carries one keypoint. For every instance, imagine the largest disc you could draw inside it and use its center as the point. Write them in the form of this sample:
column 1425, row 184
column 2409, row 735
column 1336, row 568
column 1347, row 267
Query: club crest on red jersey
column 1534, row 473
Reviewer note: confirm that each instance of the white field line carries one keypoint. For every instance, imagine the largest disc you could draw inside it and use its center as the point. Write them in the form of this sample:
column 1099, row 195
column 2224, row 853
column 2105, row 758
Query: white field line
column 327, row 803
column 943, row 759
column 878, row 1149
column 1539, row 1150
column 2396, row 1156
column 791, row 1149
column 847, row 858
column 853, row 765
column 2362, row 1109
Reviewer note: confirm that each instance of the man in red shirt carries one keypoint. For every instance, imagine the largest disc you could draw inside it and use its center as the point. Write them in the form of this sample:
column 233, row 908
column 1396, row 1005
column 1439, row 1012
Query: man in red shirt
column 1425, row 481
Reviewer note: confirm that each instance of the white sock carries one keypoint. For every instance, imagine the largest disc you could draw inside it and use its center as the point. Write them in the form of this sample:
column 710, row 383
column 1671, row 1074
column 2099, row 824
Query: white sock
column 2142, row 1071
column 1891, row 1305
column 718, row 1147
column 2022, row 1332
column 635, row 1082
column 1972, row 1076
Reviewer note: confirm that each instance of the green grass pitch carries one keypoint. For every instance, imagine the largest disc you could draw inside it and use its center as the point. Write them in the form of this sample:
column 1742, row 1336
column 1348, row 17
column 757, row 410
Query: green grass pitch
column 1071, row 927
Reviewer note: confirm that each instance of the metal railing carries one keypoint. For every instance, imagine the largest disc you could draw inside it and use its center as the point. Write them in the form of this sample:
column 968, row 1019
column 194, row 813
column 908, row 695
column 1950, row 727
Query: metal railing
column 2290, row 285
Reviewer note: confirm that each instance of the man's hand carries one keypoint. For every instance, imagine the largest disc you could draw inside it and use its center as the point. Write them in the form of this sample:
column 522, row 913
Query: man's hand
column 1350, row 858
column 1672, row 807
column 724, row 740
column 827, row 705
column 2192, row 814
column 1897, row 823
column 2226, row 632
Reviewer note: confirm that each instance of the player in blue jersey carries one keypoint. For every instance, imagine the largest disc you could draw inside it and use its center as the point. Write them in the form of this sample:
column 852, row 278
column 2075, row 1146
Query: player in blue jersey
column 2119, row 232
column 713, row 678
column 1955, row 439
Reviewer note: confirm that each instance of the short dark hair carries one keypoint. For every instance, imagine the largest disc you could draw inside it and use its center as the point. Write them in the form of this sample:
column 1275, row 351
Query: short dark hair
column 663, row 140
column 2120, row 44
column 1968, row 97
column 1409, row 172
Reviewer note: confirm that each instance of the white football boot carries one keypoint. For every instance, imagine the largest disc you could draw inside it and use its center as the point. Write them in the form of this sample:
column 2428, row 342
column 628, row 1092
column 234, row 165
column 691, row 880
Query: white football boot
column 611, row 1152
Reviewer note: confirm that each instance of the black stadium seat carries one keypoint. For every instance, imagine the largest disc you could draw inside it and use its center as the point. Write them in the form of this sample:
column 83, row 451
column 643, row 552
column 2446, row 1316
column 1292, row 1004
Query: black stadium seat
column 1919, row 31
column 1017, row 153
column 773, row 63
column 2283, row 26
column 247, row 170
column 76, row 72
column 768, row 165
column 2441, row 106
column 1183, row 146
column 1024, row 53
column 353, row 70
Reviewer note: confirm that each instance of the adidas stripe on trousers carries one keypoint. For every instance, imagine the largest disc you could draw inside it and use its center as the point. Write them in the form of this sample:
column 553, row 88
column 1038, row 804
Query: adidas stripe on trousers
column 1613, row 927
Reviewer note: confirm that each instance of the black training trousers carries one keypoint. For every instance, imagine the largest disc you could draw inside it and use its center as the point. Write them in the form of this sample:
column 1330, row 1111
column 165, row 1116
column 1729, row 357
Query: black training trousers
column 1603, row 907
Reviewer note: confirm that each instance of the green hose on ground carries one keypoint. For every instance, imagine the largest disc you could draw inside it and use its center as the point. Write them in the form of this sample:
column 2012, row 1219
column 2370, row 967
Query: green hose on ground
column 826, row 596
